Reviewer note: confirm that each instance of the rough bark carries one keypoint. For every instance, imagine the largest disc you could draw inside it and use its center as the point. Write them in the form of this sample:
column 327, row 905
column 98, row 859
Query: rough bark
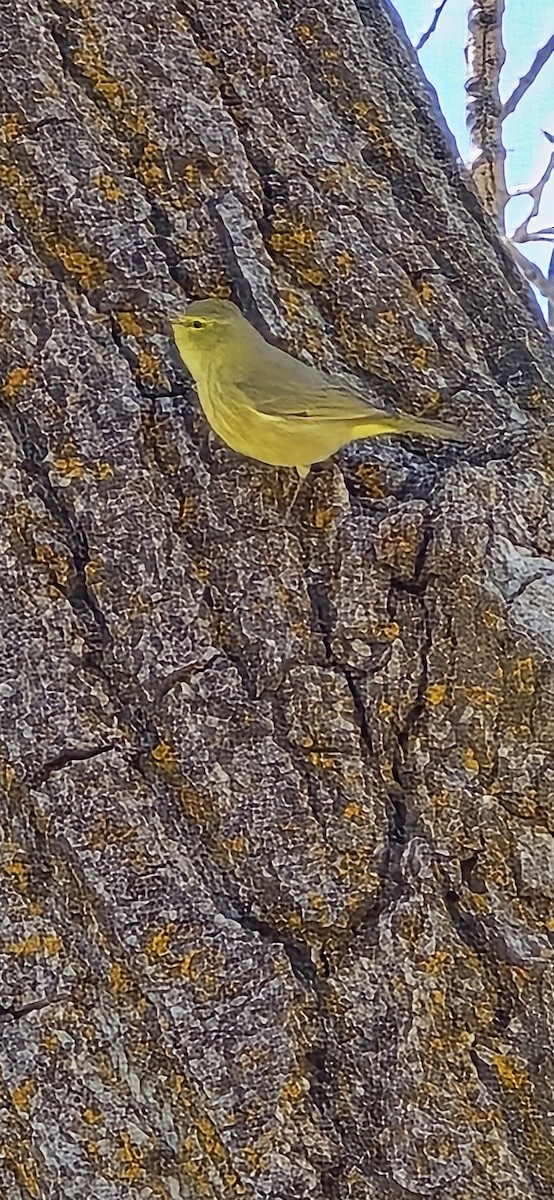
column 486, row 56
column 276, row 791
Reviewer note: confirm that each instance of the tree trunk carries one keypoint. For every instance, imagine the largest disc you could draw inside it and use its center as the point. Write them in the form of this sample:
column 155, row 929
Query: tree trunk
column 276, row 789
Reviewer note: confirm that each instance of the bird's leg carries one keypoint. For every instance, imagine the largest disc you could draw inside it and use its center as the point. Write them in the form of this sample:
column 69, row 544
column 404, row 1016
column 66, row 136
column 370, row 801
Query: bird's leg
column 303, row 473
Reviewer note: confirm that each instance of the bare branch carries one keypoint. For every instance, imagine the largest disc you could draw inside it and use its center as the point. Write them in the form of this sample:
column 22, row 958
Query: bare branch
column 550, row 317
column 521, row 234
column 527, row 80
column 425, row 36
column 533, row 274
column 542, row 235
column 485, row 56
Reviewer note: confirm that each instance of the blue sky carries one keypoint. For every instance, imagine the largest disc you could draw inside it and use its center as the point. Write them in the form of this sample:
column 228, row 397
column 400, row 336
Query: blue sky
column 528, row 24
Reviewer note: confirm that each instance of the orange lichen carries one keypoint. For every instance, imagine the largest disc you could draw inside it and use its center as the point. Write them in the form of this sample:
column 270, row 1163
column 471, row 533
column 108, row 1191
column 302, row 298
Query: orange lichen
column 536, row 398
column 119, row 979
column 23, row 1093
column 19, row 1159
column 480, row 697
column 469, row 760
column 490, row 618
column 293, row 1092
column 344, row 263
column 91, row 1116
column 19, row 872
column 158, row 942
column 57, row 563
column 104, row 470
column 524, row 675
column 51, row 944
column 352, row 811
column 386, row 770
column 189, row 506
column 196, row 806
column 323, row 517
column 69, row 466
column 369, row 478
column 131, row 1154
column 430, row 403
column 435, row 693
column 425, row 292
column 191, row 175
column 11, row 127
column 109, row 188
column 305, row 33
column 204, row 966
column 419, row 356
column 150, row 369
column 149, row 170
column 165, row 758
column 112, row 91
column 511, row 1075
column 232, row 847
column 355, row 867
column 205, row 1138
column 200, row 571
column 29, row 945
column 17, row 379
column 312, row 275
column 93, row 571
column 20, row 191
column 321, row 760
column 209, row 57
column 87, row 269
column 293, row 240
column 128, row 323
column 292, row 303
column 50, row 1043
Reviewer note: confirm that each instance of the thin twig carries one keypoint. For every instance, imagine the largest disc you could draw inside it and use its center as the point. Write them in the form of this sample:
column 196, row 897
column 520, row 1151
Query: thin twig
column 550, row 317
column 425, row 36
column 521, row 234
column 527, row 80
column 541, row 235
column 532, row 273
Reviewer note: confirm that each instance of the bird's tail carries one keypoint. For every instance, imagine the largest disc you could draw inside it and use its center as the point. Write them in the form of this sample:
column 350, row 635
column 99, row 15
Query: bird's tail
column 383, row 423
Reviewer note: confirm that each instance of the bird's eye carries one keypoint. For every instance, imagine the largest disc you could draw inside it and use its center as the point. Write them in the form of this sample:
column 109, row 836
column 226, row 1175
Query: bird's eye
column 197, row 324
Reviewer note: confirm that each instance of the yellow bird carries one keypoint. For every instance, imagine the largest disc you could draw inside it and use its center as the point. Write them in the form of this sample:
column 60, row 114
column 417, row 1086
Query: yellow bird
column 270, row 406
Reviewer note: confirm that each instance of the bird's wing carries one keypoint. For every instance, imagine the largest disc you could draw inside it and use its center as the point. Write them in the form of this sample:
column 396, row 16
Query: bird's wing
column 278, row 390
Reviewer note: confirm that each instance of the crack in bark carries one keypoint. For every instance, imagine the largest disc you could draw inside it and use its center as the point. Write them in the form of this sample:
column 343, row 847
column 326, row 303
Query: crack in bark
column 318, row 1060
column 13, row 1012
column 70, row 755
column 162, row 237
column 28, row 436
column 298, row 953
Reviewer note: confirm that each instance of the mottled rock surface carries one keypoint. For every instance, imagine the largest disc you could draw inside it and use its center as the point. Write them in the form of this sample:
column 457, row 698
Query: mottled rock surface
column 277, row 790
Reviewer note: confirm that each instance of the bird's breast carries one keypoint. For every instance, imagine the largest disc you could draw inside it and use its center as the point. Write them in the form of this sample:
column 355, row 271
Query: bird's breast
column 227, row 412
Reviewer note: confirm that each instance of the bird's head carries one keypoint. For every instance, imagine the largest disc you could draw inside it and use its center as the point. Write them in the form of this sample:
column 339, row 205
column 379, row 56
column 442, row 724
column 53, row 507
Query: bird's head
column 206, row 327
